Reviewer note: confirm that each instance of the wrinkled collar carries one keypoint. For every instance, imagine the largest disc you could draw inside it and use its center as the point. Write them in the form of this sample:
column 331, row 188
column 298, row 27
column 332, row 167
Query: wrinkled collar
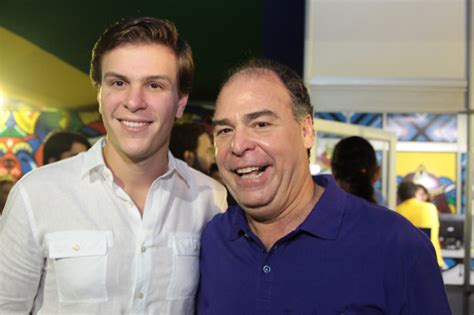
column 94, row 161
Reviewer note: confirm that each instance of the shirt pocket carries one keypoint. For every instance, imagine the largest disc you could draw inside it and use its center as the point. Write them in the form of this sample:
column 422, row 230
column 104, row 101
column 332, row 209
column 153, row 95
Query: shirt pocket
column 185, row 269
column 80, row 264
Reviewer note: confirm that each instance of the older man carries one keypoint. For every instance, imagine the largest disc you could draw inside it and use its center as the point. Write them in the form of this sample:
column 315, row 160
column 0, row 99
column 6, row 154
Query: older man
column 297, row 244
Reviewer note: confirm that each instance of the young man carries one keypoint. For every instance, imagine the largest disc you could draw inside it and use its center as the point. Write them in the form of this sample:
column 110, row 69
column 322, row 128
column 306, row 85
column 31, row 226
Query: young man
column 115, row 230
column 298, row 245
column 192, row 144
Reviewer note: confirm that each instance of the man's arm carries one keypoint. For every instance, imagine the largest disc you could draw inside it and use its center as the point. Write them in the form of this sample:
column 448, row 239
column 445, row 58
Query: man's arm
column 21, row 257
column 425, row 292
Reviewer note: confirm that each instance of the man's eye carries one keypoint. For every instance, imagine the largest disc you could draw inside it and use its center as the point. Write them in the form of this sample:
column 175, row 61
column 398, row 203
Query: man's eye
column 262, row 124
column 155, row 85
column 118, row 83
column 223, row 131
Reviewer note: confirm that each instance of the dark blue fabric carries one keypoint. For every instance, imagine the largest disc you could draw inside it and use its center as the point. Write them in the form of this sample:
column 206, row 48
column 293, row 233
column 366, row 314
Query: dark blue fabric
column 347, row 257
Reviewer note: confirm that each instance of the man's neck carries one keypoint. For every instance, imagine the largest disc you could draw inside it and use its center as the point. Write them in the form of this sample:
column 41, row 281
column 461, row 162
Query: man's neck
column 269, row 232
column 136, row 177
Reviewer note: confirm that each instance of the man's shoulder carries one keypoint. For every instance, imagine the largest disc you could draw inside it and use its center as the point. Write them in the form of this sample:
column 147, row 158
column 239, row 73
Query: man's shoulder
column 197, row 178
column 70, row 167
column 222, row 223
column 385, row 223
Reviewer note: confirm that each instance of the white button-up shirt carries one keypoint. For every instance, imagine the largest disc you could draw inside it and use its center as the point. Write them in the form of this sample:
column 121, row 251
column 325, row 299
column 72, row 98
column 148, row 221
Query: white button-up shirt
column 72, row 241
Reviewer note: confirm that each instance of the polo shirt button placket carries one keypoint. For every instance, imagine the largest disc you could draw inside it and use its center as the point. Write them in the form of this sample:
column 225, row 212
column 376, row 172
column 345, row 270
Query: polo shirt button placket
column 267, row 269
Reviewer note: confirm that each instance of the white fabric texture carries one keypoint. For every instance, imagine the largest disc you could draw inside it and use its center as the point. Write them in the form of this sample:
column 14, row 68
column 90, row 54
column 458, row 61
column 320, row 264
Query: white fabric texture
column 72, row 241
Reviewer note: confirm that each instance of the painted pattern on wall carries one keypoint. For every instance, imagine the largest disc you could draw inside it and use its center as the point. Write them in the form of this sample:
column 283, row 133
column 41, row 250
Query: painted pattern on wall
column 22, row 134
column 434, row 170
column 424, row 127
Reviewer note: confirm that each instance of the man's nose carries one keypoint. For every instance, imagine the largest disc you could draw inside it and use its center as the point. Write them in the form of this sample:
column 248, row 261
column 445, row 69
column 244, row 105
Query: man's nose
column 242, row 141
column 135, row 99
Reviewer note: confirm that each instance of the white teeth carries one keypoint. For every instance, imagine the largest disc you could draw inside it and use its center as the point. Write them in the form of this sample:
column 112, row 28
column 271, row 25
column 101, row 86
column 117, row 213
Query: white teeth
column 133, row 124
column 247, row 169
column 250, row 172
column 252, row 176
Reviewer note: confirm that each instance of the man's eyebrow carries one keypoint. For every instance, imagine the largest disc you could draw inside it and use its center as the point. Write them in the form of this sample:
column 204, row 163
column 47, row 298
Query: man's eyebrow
column 152, row 77
column 247, row 117
column 116, row 75
column 255, row 115
column 158, row 77
column 220, row 122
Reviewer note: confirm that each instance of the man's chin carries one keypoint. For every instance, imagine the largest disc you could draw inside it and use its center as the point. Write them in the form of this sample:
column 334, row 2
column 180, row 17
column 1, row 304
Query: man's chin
column 253, row 205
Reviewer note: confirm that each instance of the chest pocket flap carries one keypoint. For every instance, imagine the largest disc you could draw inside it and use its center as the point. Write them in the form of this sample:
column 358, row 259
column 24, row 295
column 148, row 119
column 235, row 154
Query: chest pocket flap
column 80, row 264
column 69, row 244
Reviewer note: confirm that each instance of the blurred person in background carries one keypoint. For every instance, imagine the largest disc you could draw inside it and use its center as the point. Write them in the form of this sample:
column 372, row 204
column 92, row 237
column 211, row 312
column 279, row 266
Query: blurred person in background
column 60, row 145
column 191, row 143
column 6, row 185
column 422, row 214
column 354, row 166
column 423, row 194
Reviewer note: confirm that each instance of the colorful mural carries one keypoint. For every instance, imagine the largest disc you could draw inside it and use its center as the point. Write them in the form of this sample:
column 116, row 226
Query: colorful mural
column 22, row 134
column 434, row 170
column 340, row 117
column 374, row 120
column 424, row 127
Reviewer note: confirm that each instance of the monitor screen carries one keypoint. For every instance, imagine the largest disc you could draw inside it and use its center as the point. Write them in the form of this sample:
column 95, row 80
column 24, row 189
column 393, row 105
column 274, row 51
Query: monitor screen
column 451, row 230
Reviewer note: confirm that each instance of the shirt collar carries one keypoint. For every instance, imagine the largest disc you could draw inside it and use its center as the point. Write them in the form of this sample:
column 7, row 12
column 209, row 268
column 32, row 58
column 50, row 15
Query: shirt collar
column 94, row 160
column 181, row 168
column 324, row 220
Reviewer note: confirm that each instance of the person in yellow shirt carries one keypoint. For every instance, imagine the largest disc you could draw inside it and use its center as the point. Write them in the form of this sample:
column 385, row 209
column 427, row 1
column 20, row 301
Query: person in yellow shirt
column 421, row 214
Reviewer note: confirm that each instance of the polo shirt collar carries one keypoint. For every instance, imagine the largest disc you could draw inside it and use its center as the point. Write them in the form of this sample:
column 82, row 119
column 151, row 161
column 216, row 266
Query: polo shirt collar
column 324, row 221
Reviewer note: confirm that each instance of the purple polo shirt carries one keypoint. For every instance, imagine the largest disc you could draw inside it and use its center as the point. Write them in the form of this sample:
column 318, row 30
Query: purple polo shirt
column 347, row 257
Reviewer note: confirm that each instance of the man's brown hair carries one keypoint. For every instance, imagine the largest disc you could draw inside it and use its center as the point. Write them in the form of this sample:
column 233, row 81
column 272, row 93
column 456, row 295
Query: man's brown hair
column 144, row 30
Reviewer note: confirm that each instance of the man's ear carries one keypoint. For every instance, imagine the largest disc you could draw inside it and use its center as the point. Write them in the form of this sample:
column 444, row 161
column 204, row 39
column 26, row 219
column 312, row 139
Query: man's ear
column 183, row 100
column 189, row 157
column 98, row 100
column 307, row 131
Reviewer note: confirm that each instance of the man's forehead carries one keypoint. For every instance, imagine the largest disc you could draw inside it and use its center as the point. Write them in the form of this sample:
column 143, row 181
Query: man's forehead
column 235, row 84
column 244, row 86
column 254, row 74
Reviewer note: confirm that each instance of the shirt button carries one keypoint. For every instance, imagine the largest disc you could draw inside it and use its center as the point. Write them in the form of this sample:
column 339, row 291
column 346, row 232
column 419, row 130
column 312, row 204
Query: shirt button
column 129, row 204
column 267, row 269
column 143, row 249
column 140, row 295
column 76, row 247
